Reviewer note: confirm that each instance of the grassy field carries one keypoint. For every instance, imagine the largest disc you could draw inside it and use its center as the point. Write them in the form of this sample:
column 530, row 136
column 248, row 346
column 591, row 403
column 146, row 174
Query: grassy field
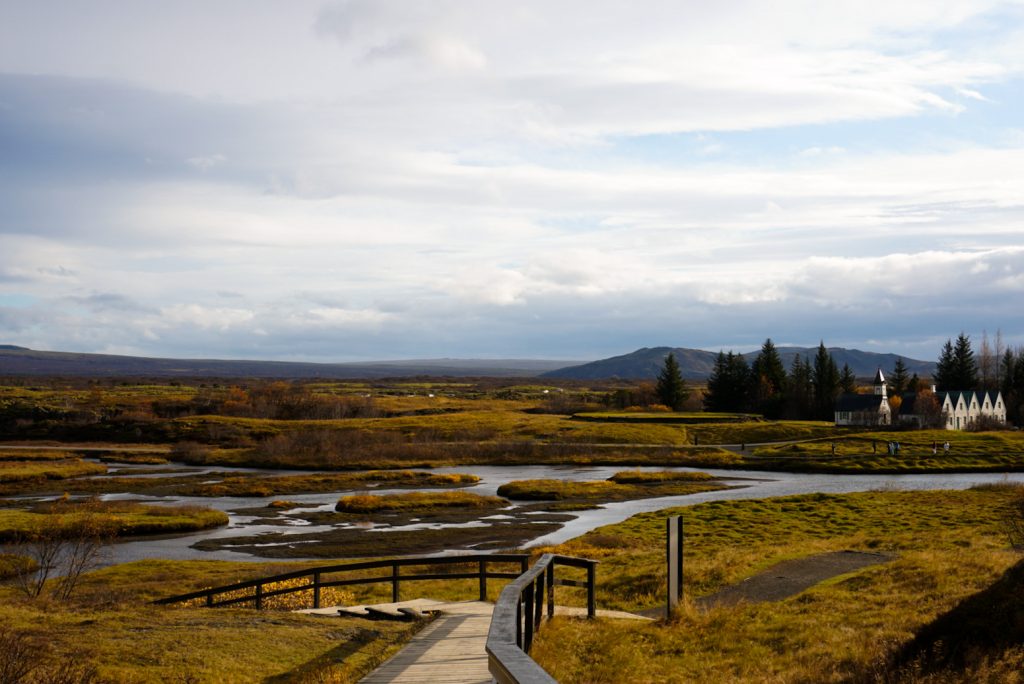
column 622, row 486
column 415, row 502
column 107, row 629
column 117, row 518
column 947, row 545
column 42, row 469
column 867, row 452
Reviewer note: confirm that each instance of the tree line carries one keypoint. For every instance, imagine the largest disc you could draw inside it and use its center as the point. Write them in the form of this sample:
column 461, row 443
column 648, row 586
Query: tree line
column 808, row 390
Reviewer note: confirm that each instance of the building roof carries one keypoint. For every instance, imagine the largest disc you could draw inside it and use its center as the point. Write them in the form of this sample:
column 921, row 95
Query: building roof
column 879, row 378
column 859, row 402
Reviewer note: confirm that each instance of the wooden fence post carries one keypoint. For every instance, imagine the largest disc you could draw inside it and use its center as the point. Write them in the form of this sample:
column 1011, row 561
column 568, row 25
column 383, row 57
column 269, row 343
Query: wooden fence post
column 674, row 559
column 551, row 589
column 591, row 591
column 316, row 590
column 483, row 580
column 394, row 582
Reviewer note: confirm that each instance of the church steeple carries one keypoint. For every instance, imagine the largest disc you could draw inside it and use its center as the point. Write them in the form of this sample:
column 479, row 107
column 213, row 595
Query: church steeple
column 880, row 383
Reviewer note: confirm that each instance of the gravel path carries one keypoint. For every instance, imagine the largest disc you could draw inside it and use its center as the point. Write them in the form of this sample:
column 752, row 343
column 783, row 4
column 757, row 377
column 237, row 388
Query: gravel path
column 789, row 578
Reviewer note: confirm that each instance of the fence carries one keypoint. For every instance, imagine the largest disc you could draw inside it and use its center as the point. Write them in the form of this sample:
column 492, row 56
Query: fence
column 321, row 577
column 518, row 615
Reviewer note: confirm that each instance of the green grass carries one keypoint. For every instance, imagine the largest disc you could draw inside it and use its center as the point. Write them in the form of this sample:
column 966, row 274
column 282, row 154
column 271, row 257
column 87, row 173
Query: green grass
column 867, row 452
column 751, row 433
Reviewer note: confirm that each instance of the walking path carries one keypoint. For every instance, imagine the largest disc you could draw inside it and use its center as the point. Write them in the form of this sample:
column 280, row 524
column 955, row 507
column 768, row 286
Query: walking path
column 451, row 649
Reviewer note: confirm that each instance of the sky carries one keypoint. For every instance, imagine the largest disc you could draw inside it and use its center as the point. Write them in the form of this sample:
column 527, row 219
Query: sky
column 346, row 180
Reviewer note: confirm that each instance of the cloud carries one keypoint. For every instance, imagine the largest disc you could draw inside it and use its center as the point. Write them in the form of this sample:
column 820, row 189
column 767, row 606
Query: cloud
column 385, row 178
column 205, row 163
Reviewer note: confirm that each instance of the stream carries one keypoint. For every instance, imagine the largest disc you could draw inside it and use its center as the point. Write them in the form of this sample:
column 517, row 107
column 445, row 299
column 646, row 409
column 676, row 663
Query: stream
column 749, row 484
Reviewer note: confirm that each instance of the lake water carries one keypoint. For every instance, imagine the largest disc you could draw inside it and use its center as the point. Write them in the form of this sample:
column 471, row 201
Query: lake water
column 753, row 484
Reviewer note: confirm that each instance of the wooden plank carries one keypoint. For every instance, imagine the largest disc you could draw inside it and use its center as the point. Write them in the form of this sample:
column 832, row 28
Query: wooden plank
column 451, row 650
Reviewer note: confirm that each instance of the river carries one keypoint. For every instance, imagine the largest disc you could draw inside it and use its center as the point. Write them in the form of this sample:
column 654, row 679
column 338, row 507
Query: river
column 751, row 484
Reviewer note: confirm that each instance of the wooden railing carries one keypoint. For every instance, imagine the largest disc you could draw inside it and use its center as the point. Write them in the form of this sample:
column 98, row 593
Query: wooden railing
column 320, row 577
column 518, row 615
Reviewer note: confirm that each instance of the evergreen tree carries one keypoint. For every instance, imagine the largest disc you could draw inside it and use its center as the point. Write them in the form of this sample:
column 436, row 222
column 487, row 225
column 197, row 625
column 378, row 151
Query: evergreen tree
column 915, row 384
column 847, row 380
column 957, row 368
column 1017, row 408
column 965, row 364
column 671, row 389
column 825, row 379
column 768, row 381
column 1011, row 367
column 944, row 369
column 898, row 380
column 727, row 386
column 799, row 392
column 1007, row 365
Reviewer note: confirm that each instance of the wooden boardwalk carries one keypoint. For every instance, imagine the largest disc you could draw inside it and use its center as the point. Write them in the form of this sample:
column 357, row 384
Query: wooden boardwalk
column 451, row 649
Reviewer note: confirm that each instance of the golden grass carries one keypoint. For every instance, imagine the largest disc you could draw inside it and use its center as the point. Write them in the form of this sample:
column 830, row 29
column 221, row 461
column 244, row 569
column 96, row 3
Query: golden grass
column 120, row 518
column 371, row 503
column 947, row 545
column 129, row 643
column 46, row 469
column 620, row 487
column 647, row 476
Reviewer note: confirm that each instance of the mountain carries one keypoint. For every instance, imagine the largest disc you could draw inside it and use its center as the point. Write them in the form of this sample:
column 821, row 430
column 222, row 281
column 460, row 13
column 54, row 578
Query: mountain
column 21, row 361
column 697, row 364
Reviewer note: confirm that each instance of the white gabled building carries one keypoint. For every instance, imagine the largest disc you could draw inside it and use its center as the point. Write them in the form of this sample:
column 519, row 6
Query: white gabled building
column 960, row 409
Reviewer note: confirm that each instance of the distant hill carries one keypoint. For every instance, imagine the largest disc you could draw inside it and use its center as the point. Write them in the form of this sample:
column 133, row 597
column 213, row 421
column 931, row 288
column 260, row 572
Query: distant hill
column 21, row 361
column 697, row 364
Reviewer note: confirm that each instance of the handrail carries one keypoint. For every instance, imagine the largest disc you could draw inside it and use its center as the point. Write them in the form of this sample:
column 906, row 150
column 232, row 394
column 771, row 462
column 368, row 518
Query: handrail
column 510, row 636
column 317, row 581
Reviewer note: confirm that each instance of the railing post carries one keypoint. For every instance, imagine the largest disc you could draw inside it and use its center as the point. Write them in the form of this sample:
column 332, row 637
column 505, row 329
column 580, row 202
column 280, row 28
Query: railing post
column 551, row 589
column 483, row 579
column 591, row 582
column 394, row 582
column 259, row 596
column 519, row 622
column 538, row 602
column 316, row 590
column 528, row 602
column 209, row 600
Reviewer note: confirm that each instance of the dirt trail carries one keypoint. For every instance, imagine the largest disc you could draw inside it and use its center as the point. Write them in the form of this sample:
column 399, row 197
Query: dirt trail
column 786, row 579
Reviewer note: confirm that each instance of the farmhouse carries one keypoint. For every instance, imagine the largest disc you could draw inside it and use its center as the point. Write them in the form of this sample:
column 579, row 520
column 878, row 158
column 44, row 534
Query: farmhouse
column 865, row 409
column 956, row 410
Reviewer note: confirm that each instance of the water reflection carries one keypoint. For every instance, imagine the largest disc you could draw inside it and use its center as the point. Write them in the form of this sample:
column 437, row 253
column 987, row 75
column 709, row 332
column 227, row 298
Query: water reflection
column 751, row 484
